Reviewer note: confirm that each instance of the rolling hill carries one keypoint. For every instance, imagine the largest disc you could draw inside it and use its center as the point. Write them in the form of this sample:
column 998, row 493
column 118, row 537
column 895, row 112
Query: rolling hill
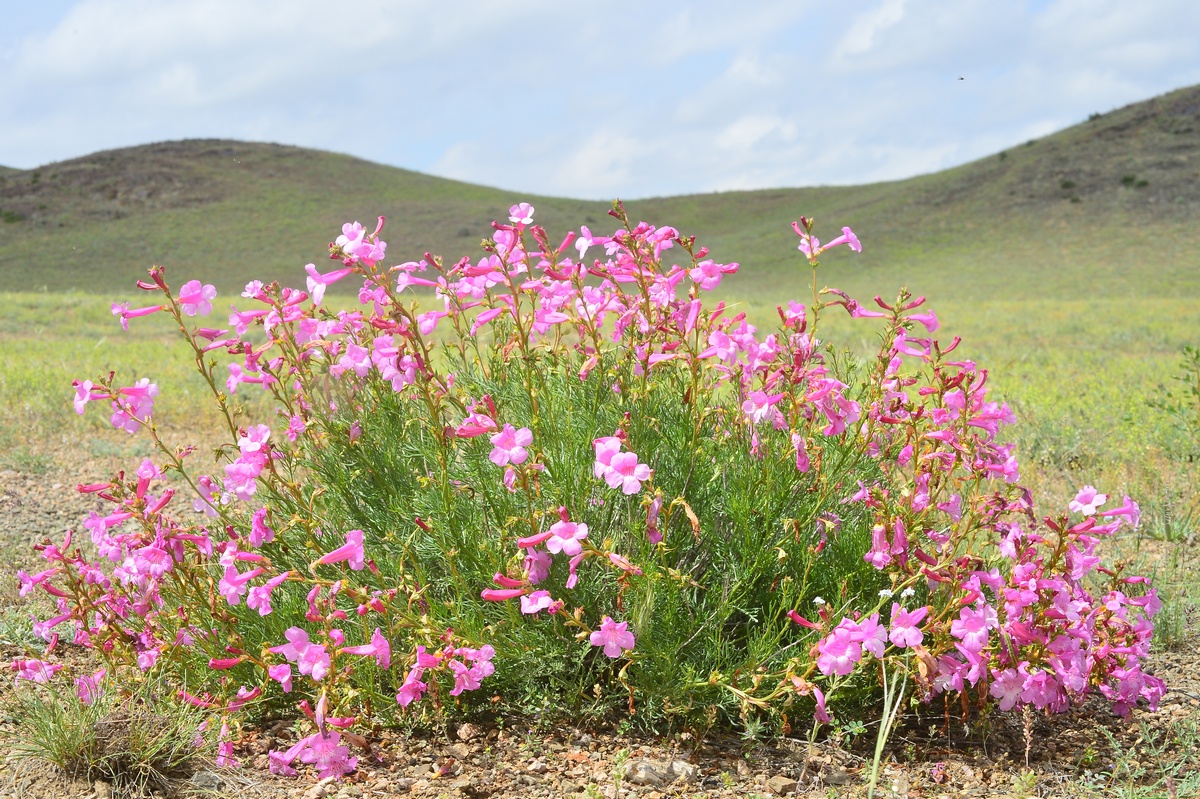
column 1105, row 208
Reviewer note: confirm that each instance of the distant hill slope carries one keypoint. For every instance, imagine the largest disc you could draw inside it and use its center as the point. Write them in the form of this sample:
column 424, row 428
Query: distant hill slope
column 1106, row 207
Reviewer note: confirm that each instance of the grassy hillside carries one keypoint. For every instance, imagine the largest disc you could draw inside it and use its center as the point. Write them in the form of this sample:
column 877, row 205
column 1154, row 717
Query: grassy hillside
column 1105, row 208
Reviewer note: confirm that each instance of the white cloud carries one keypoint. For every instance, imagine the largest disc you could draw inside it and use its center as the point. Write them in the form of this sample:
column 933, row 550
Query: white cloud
column 745, row 133
column 866, row 27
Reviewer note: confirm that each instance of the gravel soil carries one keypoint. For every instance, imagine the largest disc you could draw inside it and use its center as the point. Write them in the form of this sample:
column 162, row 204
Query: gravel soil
column 1087, row 751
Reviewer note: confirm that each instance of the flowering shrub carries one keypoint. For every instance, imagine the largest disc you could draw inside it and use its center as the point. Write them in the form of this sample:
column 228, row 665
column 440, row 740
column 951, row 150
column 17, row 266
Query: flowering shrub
column 572, row 480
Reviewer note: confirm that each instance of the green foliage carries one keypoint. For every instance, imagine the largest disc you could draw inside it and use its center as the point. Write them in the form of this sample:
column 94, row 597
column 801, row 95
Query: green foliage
column 140, row 743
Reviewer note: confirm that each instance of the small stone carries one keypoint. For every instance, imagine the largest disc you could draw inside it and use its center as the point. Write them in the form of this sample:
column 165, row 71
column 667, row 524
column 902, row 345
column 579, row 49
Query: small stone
column 684, row 771
column 468, row 732
column 836, row 776
column 537, row 767
column 643, row 772
column 320, row 790
column 781, row 785
column 102, row 790
column 460, row 751
column 207, row 781
column 403, row 784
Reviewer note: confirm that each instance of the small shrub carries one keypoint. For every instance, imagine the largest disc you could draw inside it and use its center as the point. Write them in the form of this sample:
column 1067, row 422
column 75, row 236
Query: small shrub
column 1066, row 185
column 1128, row 180
column 566, row 486
column 140, row 743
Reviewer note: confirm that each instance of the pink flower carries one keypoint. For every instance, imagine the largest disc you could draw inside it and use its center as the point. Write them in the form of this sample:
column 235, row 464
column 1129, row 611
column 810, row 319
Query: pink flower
column 565, row 537
column 282, row 674
column 501, row 594
column 536, row 602
column 85, row 392
column 260, row 595
column 509, row 446
column 1008, row 685
column 905, row 632
column 869, row 633
column 1087, row 501
column 848, row 238
column 972, row 627
column 537, row 565
column 351, row 551
column 521, row 214
column 379, row 647
column 708, row 273
column 309, row 657
column 605, row 449
column 260, row 532
column 838, row 652
column 412, row 689
column 196, row 299
column 820, row 714
column 614, row 637
column 233, row 585
column 314, row 661
column 296, row 427
column 1128, row 509
column 88, row 687
column 324, row 754
column 880, row 554
column 625, row 471
column 759, row 406
column 802, row 461
column 35, row 670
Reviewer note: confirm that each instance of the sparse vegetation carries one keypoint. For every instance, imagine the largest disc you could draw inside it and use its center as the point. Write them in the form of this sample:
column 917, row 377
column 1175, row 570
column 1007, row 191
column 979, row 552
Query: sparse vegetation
column 138, row 743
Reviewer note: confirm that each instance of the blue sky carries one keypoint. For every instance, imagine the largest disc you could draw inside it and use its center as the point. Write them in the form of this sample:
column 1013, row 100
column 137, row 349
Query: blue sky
column 587, row 99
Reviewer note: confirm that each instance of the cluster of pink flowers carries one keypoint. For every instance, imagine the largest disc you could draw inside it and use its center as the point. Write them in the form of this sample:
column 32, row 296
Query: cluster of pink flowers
column 1034, row 619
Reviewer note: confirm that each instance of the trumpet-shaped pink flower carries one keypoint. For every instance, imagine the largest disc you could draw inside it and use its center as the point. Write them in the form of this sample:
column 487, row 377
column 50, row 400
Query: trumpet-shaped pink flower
column 259, row 597
column 233, row 585
column 565, row 537
column 88, row 687
column 625, row 472
column 282, row 674
column 1087, row 501
column 509, row 446
column 351, row 551
column 905, row 631
column 614, row 637
column 1128, row 509
column 521, row 214
column 325, row 755
column 412, row 689
column 838, row 652
column 972, row 627
column 536, row 602
column 379, row 648
column 309, row 657
column 35, row 670
column 605, row 449
column 196, row 299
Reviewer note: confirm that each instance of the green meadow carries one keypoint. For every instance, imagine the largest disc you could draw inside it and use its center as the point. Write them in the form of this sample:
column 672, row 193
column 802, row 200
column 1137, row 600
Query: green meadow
column 1069, row 265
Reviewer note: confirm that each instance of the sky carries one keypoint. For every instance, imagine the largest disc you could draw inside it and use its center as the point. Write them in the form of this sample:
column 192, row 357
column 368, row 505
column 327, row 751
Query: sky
column 587, row 99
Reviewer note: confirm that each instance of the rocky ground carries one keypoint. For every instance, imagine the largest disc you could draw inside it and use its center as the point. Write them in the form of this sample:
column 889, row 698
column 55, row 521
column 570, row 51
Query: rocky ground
column 1085, row 752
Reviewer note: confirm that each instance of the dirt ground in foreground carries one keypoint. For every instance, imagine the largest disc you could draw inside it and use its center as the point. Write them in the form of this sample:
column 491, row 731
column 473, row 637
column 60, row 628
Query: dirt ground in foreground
column 1087, row 751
